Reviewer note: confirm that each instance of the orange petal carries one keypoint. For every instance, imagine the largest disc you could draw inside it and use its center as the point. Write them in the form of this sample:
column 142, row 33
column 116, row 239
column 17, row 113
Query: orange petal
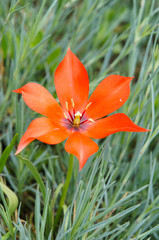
column 45, row 131
column 81, row 146
column 40, row 100
column 72, row 82
column 109, row 95
column 112, row 124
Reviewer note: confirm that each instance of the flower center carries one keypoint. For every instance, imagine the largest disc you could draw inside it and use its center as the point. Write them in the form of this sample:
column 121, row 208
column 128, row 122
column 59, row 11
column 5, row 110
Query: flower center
column 76, row 120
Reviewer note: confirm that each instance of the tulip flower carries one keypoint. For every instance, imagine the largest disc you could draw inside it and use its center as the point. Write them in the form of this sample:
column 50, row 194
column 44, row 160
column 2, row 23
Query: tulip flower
column 77, row 118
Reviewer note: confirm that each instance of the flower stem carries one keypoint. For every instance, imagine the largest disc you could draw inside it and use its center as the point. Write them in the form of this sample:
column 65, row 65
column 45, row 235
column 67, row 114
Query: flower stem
column 64, row 191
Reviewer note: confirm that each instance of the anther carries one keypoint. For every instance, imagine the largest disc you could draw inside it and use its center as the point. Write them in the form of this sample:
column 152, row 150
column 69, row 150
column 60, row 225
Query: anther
column 65, row 115
column 88, row 105
column 66, row 103
column 91, row 120
column 73, row 104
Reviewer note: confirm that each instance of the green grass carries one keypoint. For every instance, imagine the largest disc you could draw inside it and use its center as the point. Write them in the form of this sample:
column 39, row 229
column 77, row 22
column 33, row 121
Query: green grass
column 116, row 195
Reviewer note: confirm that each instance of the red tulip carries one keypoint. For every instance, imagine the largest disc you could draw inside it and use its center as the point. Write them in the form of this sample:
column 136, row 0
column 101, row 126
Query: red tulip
column 78, row 118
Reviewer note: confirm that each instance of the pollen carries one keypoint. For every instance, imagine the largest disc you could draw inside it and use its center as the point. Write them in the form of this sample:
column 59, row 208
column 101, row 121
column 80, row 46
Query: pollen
column 78, row 114
column 88, row 105
column 90, row 119
column 72, row 101
column 65, row 115
column 77, row 118
column 66, row 103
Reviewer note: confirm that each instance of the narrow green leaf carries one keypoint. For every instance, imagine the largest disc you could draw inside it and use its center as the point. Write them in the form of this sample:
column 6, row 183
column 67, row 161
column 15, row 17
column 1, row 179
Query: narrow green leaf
column 37, row 214
column 152, row 230
column 12, row 198
column 35, row 174
column 7, row 152
column 57, row 192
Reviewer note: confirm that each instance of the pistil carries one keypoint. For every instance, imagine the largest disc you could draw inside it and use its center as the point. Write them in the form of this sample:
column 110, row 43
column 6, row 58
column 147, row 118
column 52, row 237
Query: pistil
column 77, row 118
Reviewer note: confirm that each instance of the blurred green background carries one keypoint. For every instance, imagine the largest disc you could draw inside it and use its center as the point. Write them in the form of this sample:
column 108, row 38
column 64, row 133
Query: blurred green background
column 109, row 37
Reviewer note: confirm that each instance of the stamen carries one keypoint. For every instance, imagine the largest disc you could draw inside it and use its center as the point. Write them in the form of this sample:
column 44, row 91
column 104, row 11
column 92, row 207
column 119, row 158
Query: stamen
column 91, row 120
column 73, row 104
column 83, row 121
column 65, row 115
column 66, row 103
column 88, row 105
column 70, row 115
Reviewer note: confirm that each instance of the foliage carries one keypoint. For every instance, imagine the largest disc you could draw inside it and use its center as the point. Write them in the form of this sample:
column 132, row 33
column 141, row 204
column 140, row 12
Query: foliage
column 116, row 195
